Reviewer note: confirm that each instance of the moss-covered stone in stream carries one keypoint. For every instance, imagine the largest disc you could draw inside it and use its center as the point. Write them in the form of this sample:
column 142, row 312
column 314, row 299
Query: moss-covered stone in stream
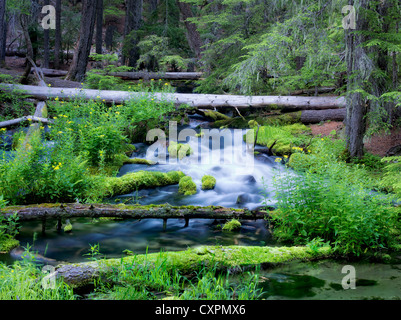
column 208, row 182
column 232, row 225
column 141, row 180
column 179, row 150
column 186, row 186
column 8, row 244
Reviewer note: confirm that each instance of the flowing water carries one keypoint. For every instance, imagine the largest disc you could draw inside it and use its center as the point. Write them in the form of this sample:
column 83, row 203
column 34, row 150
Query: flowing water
column 242, row 181
column 239, row 185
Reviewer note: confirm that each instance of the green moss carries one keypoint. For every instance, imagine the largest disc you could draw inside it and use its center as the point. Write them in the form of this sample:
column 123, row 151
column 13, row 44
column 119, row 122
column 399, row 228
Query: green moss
column 8, row 244
column 179, row 150
column 232, row 225
column 208, row 182
column 68, row 227
column 141, row 180
column 186, row 186
column 283, row 137
column 189, row 260
column 215, row 115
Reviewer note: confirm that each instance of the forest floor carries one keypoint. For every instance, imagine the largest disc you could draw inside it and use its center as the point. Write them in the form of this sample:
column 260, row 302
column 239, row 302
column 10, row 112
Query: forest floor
column 378, row 144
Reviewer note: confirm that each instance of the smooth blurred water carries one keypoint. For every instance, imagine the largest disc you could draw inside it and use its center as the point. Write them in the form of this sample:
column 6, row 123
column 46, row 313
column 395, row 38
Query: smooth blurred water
column 239, row 184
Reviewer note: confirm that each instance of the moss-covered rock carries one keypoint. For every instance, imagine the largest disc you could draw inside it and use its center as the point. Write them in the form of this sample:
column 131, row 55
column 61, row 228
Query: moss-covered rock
column 186, row 186
column 68, row 227
column 282, row 138
column 232, row 225
column 8, row 244
column 215, row 115
column 179, row 150
column 208, row 182
column 140, row 180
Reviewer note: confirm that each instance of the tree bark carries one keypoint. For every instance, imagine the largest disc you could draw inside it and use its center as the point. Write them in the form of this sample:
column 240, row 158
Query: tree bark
column 81, row 55
column 133, row 22
column 99, row 26
column 205, row 101
column 57, row 43
column 2, row 33
column 193, row 36
column 359, row 68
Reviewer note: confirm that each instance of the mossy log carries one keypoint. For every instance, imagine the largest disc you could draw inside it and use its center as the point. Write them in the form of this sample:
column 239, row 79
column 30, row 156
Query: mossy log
column 204, row 101
column 77, row 210
column 80, row 275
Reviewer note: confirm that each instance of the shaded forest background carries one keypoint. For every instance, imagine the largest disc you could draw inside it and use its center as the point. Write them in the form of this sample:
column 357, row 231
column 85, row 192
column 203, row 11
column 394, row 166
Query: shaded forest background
column 253, row 47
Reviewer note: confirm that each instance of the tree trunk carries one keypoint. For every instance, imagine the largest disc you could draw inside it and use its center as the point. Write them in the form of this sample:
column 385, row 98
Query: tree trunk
column 204, row 101
column 46, row 53
column 132, row 22
column 82, row 51
column 99, row 26
column 193, row 36
column 109, row 37
column 359, row 68
column 2, row 33
column 29, row 54
column 57, row 43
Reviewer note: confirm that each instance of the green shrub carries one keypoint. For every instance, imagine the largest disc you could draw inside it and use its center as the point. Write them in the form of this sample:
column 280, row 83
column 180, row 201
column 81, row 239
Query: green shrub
column 347, row 215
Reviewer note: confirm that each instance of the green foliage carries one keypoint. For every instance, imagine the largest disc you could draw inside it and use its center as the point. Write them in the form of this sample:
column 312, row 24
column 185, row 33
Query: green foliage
column 38, row 174
column 13, row 104
column 100, row 78
column 328, row 199
column 9, row 228
column 317, row 206
column 392, row 174
column 24, row 281
column 156, row 279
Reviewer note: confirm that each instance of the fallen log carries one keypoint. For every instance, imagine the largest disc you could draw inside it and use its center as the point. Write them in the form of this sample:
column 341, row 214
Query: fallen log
column 157, row 75
column 317, row 116
column 76, row 210
column 82, row 275
column 206, row 101
column 12, row 122
column 53, row 72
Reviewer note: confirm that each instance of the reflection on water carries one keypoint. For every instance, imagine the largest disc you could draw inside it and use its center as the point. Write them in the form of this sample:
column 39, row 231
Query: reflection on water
column 323, row 281
column 116, row 236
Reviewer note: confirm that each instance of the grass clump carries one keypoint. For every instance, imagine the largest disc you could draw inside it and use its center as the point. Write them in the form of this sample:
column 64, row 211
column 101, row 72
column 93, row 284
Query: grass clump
column 186, row 186
column 208, row 182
